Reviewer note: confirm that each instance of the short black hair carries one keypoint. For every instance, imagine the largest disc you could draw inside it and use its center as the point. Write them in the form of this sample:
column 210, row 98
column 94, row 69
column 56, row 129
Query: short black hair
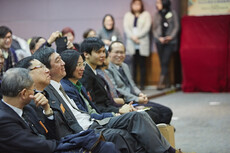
column 25, row 62
column 91, row 44
column 33, row 42
column 166, row 4
column 43, row 55
column 4, row 30
column 70, row 57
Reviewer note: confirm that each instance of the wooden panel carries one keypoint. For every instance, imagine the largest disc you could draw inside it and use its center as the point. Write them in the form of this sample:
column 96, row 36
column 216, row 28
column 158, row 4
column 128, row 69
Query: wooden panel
column 153, row 70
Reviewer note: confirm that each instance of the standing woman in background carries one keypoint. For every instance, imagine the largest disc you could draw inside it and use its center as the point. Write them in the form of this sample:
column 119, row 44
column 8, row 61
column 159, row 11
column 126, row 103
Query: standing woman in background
column 109, row 33
column 165, row 29
column 137, row 26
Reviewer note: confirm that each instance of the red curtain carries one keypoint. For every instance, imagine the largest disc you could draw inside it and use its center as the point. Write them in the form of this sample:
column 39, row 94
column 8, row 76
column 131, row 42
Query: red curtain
column 205, row 57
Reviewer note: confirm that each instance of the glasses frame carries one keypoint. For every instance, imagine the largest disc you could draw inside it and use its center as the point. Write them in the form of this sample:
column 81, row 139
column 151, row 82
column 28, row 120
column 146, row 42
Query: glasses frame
column 38, row 67
column 81, row 65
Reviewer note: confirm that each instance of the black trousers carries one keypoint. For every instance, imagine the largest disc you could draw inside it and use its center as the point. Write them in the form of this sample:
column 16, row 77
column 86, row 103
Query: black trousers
column 140, row 61
column 159, row 113
column 165, row 52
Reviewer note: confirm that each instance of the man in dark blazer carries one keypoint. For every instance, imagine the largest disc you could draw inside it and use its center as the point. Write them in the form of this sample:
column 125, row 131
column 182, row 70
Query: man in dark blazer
column 41, row 76
column 20, row 132
column 94, row 54
column 120, row 75
column 137, row 128
column 74, row 67
column 67, row 122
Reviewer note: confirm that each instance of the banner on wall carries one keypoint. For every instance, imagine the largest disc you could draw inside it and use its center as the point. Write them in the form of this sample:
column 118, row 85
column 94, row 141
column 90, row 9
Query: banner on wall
column 208, row 7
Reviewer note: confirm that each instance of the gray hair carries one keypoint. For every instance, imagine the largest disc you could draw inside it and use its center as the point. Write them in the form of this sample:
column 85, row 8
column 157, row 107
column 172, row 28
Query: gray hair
column 15, row 80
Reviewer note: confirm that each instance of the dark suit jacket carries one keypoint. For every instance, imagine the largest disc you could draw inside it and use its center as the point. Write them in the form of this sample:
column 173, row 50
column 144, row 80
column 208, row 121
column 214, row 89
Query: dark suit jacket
column 65, row 121
column 95, row 86
column 17, row 137
column 73, row 93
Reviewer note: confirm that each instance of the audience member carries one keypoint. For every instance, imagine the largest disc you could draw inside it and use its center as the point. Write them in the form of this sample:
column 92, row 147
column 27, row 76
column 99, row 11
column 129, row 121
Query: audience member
column 121, row 77
column 89, row 33
column 41, row 77
column 18, row 133
column 165, row 29
column 117, row 97
column 8, row 52
column 75, row 68
column 94, row 54
column 37, row 42
column 69, row 33
column 21, row 47
column 26, row 129
column 137, row 26
column 109, row 32
column 1, row 66
column 69, row 119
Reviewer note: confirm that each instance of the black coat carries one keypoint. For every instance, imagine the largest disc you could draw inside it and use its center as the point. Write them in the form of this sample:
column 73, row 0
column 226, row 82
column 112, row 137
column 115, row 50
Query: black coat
column 17, row 137
column 96, row 87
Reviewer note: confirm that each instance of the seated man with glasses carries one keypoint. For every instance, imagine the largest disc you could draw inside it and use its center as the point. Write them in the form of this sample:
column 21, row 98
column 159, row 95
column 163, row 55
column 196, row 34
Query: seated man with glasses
column 41, row 76
column 19, row 126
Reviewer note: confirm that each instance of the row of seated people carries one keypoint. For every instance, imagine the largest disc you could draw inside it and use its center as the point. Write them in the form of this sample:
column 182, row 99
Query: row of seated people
column 71, row 110
column 128, row 90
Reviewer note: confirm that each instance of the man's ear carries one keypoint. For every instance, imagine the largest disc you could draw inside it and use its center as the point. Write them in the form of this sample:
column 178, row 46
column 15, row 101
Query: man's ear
column 86, row 55
column 22, row 94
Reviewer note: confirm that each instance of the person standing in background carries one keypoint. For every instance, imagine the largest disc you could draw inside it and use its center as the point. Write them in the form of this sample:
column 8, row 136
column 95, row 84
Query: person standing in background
column 165, row 29
column 69, row 33
column 109, row 33
column 137, row 26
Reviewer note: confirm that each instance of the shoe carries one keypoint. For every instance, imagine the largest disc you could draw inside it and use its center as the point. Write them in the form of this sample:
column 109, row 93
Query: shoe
column 161, row 83
column 178, row 151
column 142, row 88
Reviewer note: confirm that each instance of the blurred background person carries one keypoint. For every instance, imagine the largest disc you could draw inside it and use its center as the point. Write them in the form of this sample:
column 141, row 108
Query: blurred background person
column 69, row 33
column 1, row 66
column 165, row 29
column 8, row 52
column 137, row 26
column 21, row 47
column 35, row 43
column 89, row 33
column 109, row 32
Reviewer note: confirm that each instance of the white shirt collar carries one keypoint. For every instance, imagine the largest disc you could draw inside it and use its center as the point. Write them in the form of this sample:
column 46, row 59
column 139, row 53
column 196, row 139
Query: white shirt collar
column 95, row 72
column 55, row 84
column 117, row 66
column 17, row 110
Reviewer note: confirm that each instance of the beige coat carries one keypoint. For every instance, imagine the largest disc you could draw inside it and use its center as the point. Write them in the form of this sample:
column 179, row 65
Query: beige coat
column 144, row 23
